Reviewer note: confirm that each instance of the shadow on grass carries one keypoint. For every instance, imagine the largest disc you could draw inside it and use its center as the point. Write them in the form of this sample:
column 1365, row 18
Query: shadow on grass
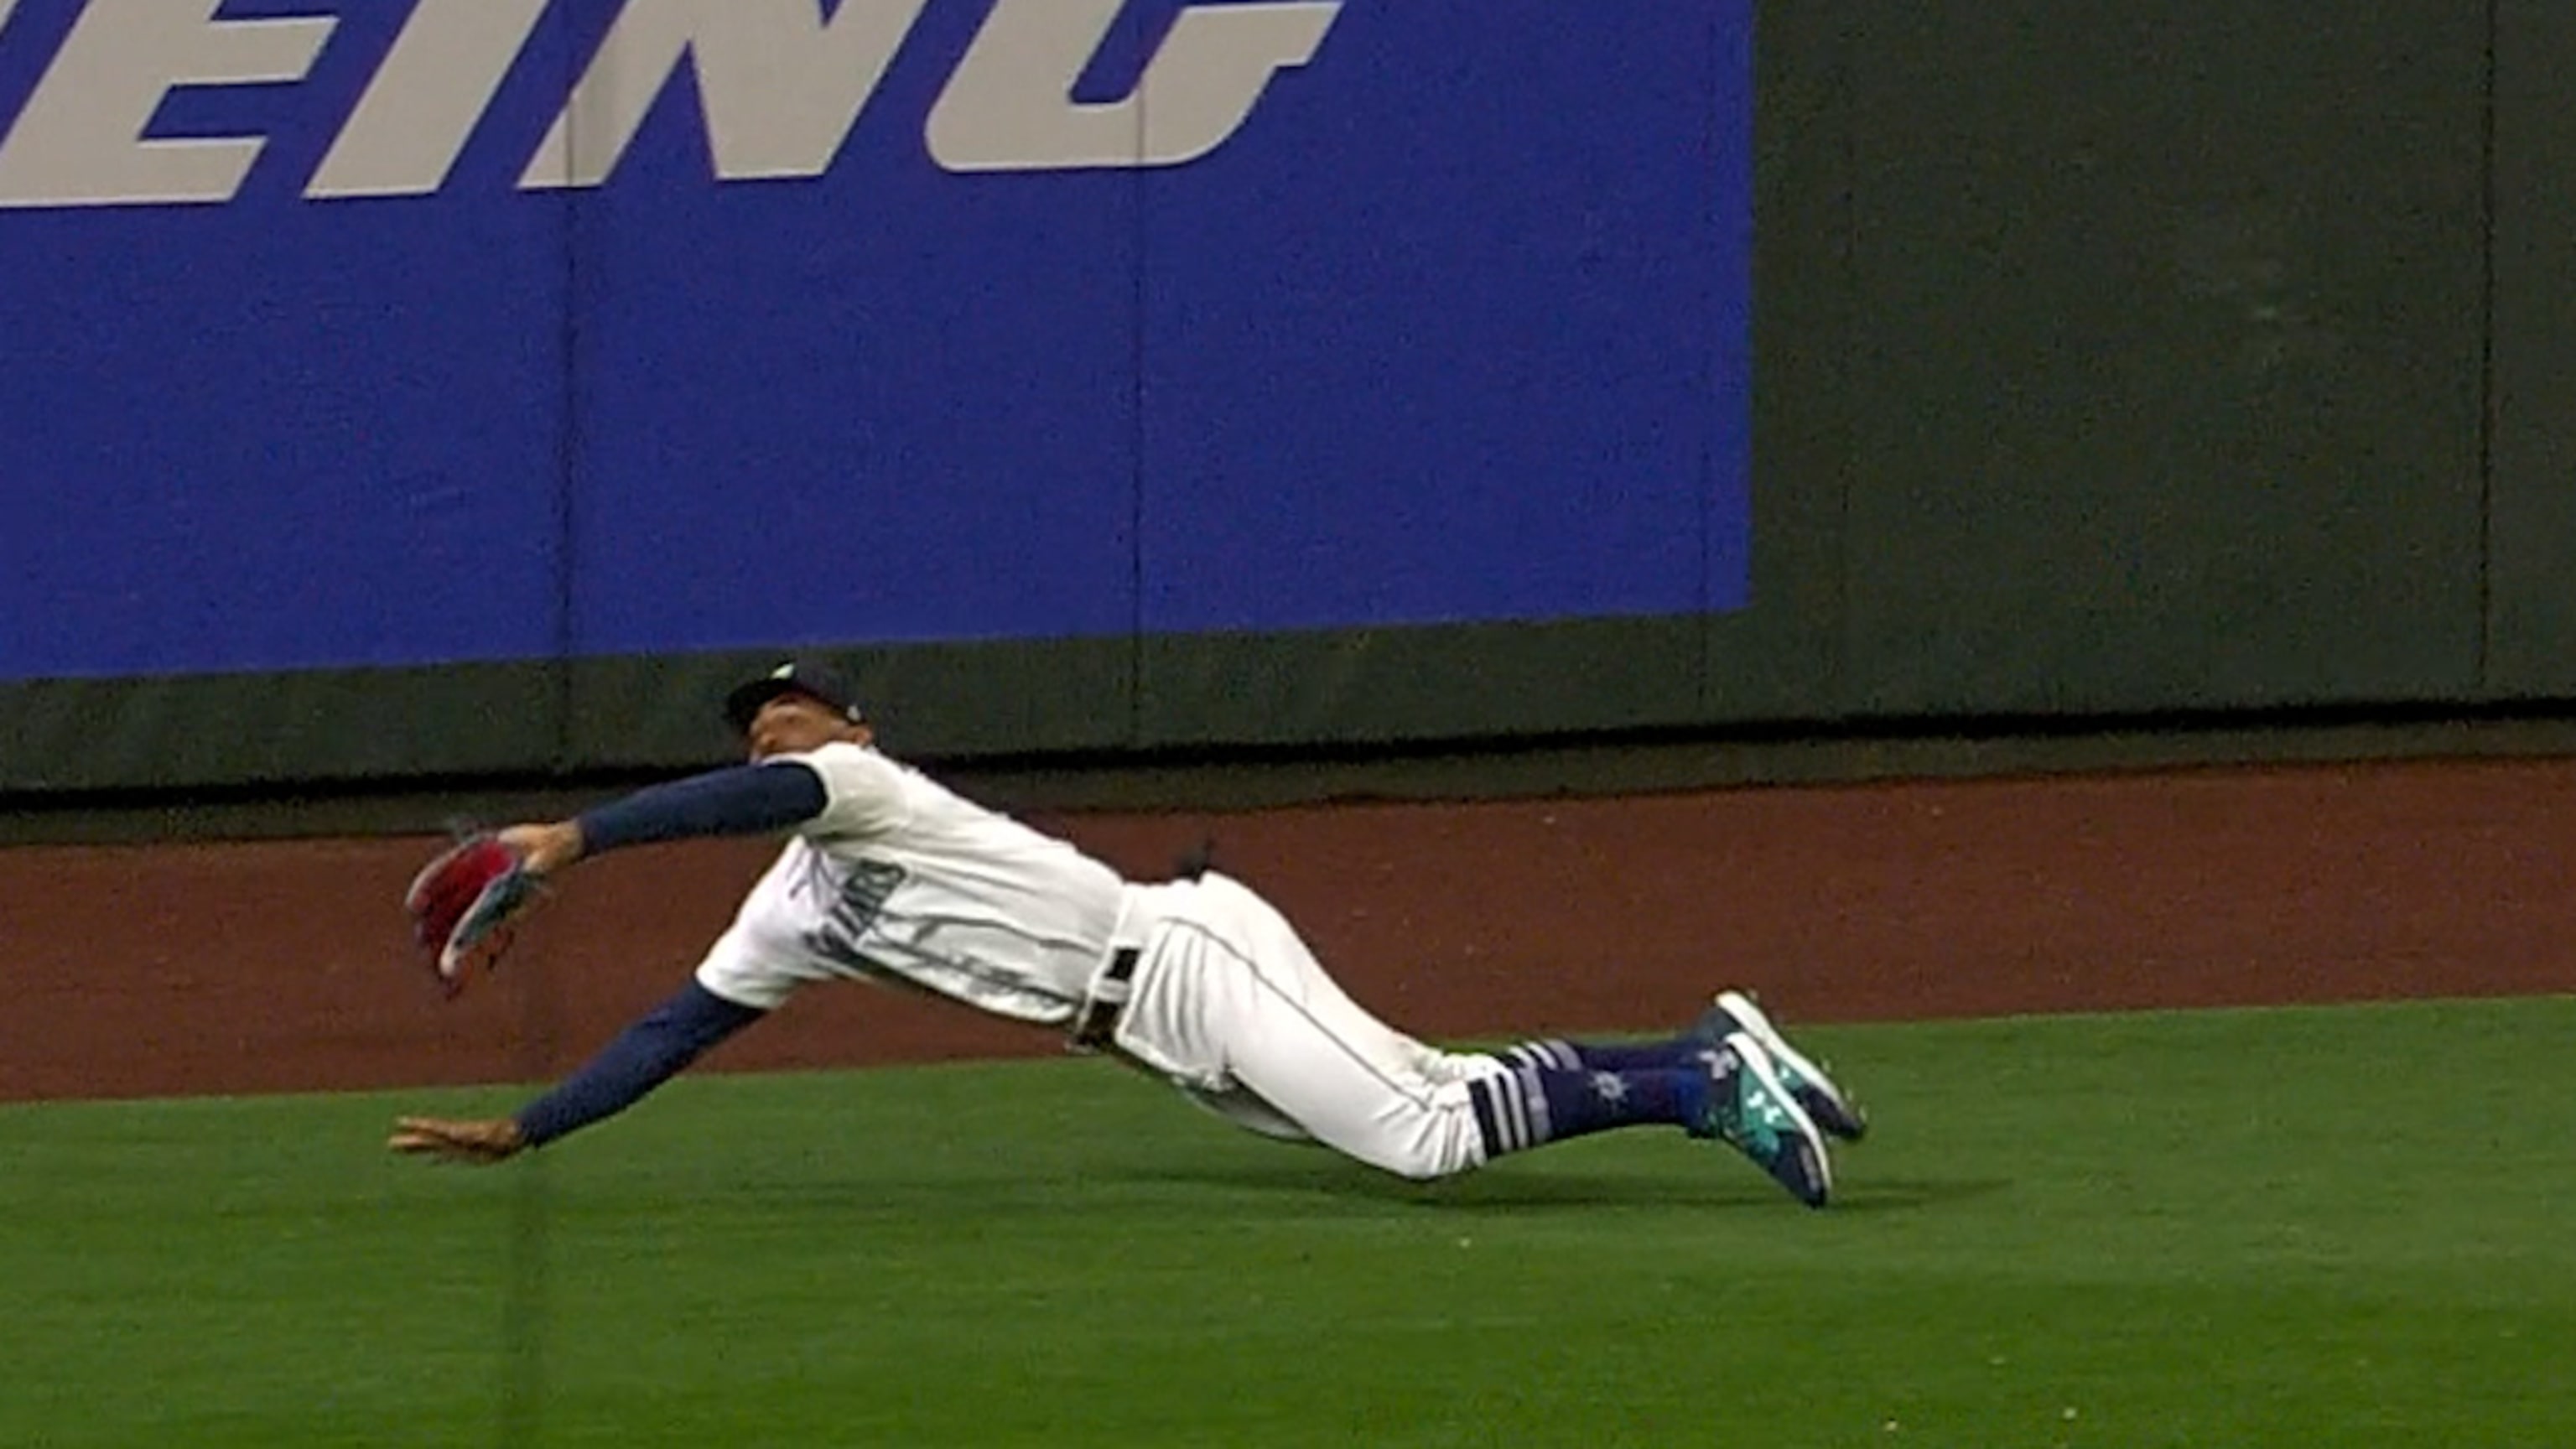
column 1886, row 1195
column 1521, row 1192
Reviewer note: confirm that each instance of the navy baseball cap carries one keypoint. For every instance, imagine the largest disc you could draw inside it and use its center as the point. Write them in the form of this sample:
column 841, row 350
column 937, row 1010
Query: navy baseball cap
column 809, row 677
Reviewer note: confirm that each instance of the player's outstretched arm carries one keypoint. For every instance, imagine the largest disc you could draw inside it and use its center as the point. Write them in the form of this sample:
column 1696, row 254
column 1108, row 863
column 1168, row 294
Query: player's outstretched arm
column 643, row 1057
column 736, row 800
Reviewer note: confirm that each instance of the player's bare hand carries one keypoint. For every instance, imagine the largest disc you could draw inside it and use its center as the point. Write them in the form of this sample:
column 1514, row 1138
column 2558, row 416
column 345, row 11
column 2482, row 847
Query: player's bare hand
column 476, row 1142
column 545, row 849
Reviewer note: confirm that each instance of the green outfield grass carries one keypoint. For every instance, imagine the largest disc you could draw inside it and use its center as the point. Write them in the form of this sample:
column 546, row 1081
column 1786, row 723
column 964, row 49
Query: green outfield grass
column 2327, row 1227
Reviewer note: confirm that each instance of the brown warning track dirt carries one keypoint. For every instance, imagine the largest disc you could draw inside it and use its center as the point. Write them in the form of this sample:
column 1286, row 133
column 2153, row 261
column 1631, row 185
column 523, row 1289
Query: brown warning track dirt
column 144, row 970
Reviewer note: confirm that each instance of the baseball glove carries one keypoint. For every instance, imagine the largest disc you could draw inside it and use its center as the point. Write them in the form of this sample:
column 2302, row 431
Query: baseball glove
column 463, row 904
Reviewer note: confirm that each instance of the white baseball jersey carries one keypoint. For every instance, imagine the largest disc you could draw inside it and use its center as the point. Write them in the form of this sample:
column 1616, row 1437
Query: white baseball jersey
column 901, row 880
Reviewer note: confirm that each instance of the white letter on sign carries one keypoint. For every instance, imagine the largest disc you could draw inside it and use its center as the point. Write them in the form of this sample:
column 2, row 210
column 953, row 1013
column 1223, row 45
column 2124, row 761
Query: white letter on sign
column 79, row 141
column 421, row 108
column 1010, row 106
column 780, row 85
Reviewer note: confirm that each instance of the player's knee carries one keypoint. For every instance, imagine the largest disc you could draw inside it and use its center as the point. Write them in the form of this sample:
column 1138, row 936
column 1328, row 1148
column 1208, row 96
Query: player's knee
column 1419, row 1171
column 1427, row 1157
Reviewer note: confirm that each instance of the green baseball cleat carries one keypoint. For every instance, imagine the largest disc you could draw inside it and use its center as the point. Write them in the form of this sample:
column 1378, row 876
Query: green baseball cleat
column 1753, row 1111
column 1825, row 1102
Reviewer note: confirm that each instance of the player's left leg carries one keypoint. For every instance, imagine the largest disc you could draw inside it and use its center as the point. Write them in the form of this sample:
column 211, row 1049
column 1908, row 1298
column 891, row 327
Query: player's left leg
column 1238, row 989
column 1231, row 1006
column 1832, row 1108
column 1307, row 1056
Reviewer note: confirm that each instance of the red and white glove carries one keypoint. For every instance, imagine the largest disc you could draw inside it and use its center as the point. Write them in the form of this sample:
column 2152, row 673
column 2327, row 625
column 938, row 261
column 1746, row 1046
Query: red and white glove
column 463, row 903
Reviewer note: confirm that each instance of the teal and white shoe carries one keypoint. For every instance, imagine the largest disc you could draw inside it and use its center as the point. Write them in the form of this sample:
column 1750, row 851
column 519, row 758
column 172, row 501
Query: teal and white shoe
column 1828, row 1104
column 1752, row 1110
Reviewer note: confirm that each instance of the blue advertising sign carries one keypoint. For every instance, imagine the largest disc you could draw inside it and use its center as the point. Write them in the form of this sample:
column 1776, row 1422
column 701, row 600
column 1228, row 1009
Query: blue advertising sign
column 425, row 331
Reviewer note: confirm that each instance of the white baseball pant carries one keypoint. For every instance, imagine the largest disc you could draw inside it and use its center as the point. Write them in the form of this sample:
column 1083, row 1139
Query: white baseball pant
column 1229, row 1003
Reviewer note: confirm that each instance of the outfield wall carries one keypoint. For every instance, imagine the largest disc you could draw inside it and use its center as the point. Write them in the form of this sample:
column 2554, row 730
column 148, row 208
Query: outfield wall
column 434, row 391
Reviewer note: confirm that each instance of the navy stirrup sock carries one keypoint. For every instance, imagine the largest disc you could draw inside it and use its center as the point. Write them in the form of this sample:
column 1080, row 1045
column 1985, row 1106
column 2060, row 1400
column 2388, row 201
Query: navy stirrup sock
column 1679, row 1053
column 1531, row 1105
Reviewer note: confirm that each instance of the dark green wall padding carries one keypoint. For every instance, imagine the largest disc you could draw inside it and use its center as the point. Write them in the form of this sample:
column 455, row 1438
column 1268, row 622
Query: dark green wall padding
column 2531, row 619
column 2115, row 359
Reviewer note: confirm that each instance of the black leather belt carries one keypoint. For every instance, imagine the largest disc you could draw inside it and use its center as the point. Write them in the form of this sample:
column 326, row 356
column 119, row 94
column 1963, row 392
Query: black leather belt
column 1096, row 1024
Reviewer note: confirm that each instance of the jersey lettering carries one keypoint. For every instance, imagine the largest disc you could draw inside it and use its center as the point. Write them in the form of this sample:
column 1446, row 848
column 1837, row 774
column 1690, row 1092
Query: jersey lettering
column 855, row 908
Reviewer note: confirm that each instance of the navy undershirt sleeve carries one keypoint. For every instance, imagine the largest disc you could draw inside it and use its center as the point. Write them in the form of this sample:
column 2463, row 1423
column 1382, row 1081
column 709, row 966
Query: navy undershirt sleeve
column 642, row 1057
column 738, row 800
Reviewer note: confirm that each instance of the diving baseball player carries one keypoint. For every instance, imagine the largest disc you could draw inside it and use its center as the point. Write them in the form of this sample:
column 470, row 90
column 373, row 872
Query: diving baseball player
column 889, row 876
